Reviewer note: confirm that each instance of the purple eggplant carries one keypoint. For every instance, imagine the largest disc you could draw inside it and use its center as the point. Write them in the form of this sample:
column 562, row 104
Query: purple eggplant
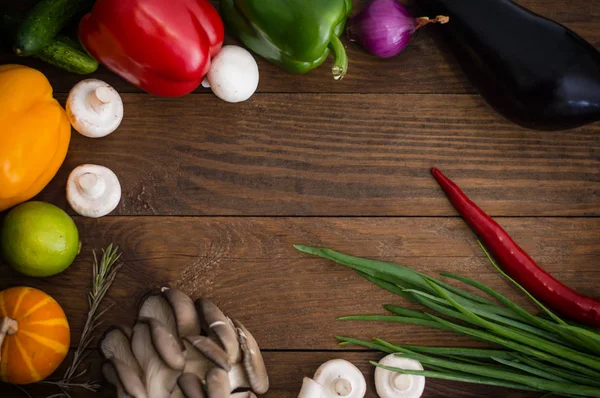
column 533, row 71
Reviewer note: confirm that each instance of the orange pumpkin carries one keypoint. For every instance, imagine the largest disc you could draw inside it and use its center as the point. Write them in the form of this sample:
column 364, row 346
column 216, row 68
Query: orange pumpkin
column 34, row 335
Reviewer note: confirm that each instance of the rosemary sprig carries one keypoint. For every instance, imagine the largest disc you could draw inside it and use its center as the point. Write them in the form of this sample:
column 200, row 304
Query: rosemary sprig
column 103, row 275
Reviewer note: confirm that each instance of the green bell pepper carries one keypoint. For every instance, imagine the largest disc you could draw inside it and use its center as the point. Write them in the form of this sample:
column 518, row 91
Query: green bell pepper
column 297, row 35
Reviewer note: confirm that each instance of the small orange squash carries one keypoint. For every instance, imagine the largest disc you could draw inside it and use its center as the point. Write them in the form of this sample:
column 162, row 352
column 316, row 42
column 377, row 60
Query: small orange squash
column 34, row 335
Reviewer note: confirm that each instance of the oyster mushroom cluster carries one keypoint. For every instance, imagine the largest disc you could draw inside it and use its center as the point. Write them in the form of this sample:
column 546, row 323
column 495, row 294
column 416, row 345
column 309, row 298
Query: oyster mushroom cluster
column 181, row 349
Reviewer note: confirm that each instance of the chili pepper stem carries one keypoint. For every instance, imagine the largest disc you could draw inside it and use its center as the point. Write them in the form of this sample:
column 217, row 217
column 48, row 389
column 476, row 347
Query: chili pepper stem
column 8, row 327
column 341, row 58
column 422, row 21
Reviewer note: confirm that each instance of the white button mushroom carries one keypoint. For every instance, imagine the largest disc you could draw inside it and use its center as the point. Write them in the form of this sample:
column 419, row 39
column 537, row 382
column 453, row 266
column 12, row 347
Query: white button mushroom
column 94, row 108
column 233, row 74
column 93, row 191
column 333, row 379
column 396, row 385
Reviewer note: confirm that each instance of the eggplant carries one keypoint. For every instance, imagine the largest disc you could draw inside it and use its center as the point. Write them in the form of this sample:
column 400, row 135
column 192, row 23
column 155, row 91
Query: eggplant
column 533, row 71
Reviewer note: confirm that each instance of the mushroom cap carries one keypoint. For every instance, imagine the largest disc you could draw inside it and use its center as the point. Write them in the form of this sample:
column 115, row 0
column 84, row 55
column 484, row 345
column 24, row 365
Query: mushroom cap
column 155, row 306
column 115, row 343
column 94, row 108
column 233, row 74
column 210, row 350
column 195, row 362
column 167, row 345
column 177, row 393
column 159, row 379
column 238, row 378
column 396, row 385
column 217, row 383
column 128, row 379
column 186, row 316
column 253, row 360
column 216, row 323
column 191, row 386
column 310, row 389
column 93, row 190
column 341, row 378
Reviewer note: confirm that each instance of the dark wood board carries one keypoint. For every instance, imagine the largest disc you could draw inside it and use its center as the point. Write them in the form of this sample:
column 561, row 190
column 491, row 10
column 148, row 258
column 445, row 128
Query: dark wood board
column 289, row 300
column 286, row 370
column 216, row 194
column 333, row 154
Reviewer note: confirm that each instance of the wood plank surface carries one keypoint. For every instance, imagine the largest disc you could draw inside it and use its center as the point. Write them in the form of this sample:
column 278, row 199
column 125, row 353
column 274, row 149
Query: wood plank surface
column 289, row 300
column 421, row 68
column 325, row 154
column 216, row 194
column 286, row 370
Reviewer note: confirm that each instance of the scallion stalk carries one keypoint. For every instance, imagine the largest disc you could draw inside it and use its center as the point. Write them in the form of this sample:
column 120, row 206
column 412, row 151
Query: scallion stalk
column 537, row 354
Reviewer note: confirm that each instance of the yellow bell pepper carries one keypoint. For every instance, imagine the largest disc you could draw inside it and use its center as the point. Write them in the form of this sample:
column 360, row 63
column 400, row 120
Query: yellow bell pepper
column 34, row 134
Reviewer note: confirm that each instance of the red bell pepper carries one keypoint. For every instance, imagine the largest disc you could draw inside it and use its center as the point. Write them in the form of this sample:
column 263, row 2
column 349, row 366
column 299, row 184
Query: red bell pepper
column 517, row 263
column 162, row 46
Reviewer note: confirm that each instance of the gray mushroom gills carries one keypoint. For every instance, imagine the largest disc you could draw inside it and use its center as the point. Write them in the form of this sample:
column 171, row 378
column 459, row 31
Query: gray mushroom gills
column 166, row 356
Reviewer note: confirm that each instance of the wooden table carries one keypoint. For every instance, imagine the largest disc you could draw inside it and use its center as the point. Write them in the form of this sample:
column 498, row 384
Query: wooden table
column 215, row 194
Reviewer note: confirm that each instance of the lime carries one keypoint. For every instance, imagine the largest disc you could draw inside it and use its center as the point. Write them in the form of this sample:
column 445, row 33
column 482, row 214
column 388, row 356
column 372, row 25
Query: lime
column 39, row 239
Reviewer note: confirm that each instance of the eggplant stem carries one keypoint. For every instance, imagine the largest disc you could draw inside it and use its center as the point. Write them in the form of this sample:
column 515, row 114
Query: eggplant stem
column 422, row 21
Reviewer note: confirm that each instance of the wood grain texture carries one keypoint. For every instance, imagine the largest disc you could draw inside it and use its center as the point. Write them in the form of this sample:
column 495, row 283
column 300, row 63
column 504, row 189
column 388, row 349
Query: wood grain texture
column 324, row 154
column 290, row 300
column 306, row 145
column 286, row 370
column 421, row 68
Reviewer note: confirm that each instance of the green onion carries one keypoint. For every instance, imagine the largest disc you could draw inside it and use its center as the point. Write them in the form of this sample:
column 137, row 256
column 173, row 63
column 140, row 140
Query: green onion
column 507, row 375
column 458, row 376
column 538, row 354
column 576, row 378
column 523, row 337
column 526, row 316
column 491, row 338
column 530, row 369
column 432, row 302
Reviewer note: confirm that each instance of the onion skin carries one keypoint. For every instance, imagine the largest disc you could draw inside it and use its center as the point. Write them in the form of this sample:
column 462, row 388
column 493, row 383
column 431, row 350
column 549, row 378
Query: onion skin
column 384, row 27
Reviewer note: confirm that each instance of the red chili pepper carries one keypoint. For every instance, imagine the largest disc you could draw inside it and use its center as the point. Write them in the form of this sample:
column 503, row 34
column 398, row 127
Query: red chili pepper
column 162, row 46
column 517, row 263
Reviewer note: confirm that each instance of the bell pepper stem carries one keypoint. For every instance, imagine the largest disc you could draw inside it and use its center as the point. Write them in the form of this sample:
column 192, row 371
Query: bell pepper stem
column 341, row 58
column 8, row 327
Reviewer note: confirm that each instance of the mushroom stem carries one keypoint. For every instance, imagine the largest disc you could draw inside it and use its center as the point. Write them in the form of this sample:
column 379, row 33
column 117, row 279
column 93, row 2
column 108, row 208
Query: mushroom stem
column 401, row 382
column 394, row 385
column 342, row 387
column 100, row 99
column 91, row 184
column 8, row 327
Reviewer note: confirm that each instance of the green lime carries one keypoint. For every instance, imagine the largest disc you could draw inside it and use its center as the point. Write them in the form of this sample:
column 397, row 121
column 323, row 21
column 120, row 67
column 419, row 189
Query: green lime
column 39, row 239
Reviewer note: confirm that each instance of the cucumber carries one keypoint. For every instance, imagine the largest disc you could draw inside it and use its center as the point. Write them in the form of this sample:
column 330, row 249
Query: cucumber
column 62, row 51
column 43, row 22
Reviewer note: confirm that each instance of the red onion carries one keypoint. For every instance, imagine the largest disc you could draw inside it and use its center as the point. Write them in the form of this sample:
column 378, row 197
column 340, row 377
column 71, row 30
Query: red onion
column 384, row 27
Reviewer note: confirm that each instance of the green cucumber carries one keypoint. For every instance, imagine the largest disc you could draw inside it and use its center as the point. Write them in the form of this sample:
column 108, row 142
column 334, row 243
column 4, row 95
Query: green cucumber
column 62, row 54
column 62, row 51
column 43, row 22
